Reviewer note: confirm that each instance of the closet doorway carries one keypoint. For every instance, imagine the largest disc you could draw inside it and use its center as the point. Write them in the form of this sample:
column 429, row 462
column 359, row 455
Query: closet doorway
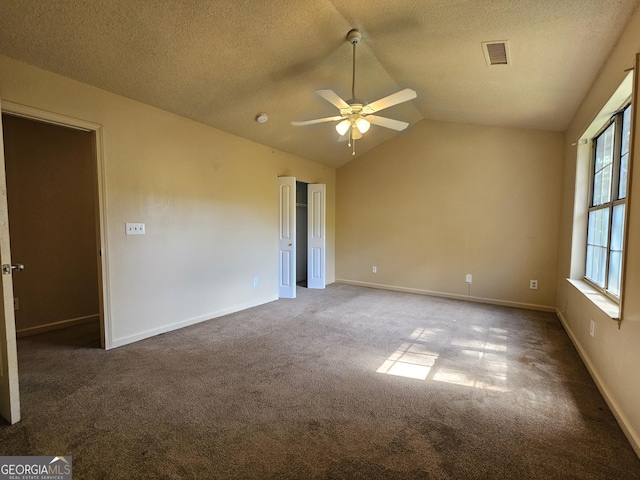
column 306, row 240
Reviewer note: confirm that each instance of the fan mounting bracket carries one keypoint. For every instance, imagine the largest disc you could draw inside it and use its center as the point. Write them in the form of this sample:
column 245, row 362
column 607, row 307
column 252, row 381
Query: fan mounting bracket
column 353, row 108
column 354, row 36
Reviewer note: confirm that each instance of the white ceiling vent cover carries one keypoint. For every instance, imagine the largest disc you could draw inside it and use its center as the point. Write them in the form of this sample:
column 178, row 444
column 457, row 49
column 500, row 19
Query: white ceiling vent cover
column 496, row 53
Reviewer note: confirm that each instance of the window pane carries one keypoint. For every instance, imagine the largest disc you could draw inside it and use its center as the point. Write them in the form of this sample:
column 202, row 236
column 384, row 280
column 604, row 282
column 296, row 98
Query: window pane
column 603, row 167
column 602, row 186
column 624, row 158
column 615, row 272
column 597, row 240
column 596, row 264
column 604, row 148
column 617, row 228
column 624, row 168
column 608, row 136
column 615, row 251
column 626, row 130
column 598, row 232
column 590, row 263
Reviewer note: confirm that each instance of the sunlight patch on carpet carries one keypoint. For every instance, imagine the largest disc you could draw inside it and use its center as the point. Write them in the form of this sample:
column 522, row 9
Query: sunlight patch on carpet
column 417, row 360
column 412, row 360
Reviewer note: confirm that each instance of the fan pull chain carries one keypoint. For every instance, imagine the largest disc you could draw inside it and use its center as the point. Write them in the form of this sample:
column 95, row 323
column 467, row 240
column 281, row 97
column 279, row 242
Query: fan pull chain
column 352, row 142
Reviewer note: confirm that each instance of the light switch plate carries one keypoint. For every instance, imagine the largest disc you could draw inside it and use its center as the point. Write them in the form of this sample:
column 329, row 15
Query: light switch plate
column 134, row 229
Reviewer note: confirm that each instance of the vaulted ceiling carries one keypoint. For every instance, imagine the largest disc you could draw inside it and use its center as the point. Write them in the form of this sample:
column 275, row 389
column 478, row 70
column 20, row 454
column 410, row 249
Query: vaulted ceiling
column 222, row 62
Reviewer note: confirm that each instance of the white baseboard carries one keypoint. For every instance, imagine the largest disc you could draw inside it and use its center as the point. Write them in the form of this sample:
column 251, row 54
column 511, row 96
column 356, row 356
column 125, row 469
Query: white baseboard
column 623, row 421
column 26, row 332
column 490, row 301
column 119, row 342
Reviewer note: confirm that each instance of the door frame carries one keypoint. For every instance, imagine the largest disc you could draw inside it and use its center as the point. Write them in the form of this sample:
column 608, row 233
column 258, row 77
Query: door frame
column 18, row 110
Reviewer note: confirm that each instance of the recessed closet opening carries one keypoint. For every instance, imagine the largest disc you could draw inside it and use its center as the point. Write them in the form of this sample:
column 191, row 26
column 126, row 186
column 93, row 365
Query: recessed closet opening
column 301, row 233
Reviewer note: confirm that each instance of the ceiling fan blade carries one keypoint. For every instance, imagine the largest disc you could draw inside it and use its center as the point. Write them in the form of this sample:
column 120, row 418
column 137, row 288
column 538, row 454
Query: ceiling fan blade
column 391, row 100
column 332, row 97
column 317, row 120
column 387, row 122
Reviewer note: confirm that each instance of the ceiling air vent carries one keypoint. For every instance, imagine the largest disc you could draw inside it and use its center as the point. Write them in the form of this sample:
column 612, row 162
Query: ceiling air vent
column 496, row 53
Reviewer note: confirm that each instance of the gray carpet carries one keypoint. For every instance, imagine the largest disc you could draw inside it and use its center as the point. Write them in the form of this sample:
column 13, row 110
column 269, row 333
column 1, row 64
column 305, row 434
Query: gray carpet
column 345, row 383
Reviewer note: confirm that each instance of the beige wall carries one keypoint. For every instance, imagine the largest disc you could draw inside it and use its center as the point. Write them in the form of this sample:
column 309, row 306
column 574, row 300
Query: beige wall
column 52, row 215
column 613, row 355
column 209, row 201
column 445, row 199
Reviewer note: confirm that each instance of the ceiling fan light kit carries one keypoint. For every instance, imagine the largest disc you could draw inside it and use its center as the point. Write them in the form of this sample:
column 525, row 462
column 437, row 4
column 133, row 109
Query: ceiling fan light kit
column 363, row 124
column 357, row 116
column 343, row 127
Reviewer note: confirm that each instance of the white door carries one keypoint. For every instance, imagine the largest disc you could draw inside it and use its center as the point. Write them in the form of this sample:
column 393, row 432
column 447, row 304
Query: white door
column 287, row 240
column 316, row 203
column 9, row 395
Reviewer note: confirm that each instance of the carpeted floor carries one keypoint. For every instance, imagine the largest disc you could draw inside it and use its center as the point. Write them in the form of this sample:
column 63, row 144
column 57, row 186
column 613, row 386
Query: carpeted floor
column 342, row 383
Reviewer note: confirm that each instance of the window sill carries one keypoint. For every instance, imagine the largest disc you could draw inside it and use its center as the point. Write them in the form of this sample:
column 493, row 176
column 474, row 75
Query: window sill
column 600, row 300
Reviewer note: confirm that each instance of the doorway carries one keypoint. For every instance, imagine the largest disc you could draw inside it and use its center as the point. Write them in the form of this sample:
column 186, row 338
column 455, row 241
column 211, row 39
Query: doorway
column 54, row 229
column 312, row 236
column 9, row 381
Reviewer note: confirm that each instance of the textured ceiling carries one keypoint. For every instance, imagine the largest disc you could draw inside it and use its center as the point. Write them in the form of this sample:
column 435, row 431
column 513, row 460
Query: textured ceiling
column 221, row 62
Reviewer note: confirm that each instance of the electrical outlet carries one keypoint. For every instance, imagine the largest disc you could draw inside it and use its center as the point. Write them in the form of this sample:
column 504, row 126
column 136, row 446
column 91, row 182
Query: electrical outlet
column 469, row 278
column 16, row 303
column 592, row 329
column 256, row 281
column 375, row 269
column 134, row 229
column 533, row 284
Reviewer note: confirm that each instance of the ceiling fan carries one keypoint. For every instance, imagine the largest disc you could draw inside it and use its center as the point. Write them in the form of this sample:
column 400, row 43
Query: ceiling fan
column 357, row 116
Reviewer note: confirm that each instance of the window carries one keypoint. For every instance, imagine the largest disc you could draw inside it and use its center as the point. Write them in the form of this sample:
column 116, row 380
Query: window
column 607, row 203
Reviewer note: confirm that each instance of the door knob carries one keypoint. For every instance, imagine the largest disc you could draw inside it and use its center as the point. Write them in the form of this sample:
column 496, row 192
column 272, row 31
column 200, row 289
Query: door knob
column 8, row 269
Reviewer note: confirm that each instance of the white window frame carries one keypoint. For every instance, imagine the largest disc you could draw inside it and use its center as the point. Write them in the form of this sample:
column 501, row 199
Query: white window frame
column 614, row 200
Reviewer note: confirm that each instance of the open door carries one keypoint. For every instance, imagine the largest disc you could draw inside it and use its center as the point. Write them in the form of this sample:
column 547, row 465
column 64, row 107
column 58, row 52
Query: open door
column 316, row 235
column 287, row 238
column 9, row 394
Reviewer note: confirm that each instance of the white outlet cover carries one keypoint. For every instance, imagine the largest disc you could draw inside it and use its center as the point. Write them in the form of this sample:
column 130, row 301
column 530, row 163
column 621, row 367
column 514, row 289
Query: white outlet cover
column 469, row 278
